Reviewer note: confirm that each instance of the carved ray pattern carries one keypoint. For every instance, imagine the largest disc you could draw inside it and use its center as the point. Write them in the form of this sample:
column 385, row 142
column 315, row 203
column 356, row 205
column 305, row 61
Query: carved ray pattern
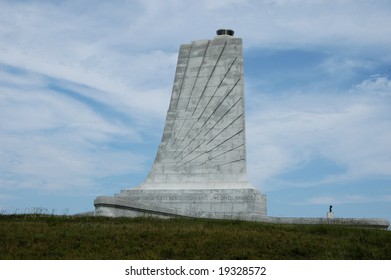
column 204, row 135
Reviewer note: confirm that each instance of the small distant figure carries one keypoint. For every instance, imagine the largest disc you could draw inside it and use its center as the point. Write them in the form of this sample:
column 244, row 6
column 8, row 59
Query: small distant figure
column 330, row 214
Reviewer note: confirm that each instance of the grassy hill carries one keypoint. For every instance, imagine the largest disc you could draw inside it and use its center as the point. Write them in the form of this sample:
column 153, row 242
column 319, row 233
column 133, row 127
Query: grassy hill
column 71, row 237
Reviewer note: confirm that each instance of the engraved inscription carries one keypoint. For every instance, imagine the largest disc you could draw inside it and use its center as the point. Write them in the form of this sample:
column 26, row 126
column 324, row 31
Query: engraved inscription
column 221, row 197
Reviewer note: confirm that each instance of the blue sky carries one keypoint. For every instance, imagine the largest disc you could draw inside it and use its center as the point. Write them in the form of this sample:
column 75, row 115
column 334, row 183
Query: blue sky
column 85, row 86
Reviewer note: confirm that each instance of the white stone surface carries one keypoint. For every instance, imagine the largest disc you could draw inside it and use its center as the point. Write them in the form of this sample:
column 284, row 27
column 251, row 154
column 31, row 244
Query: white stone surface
column 198, row 203
column 202, row 153
column 204, row 135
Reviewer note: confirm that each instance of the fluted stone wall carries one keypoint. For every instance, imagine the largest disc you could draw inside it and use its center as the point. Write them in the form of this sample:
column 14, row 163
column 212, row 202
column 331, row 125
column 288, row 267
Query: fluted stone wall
column 204, row 134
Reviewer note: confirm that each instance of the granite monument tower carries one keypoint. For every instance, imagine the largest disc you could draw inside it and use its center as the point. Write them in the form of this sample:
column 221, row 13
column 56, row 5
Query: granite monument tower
column 200, row 167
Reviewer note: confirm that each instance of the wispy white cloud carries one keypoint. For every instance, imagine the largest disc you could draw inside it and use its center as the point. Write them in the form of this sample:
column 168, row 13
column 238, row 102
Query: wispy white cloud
column 376, row 84
column 338, row 64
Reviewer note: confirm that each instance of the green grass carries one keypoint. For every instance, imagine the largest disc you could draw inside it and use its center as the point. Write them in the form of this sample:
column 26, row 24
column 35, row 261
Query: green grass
column 70, row 237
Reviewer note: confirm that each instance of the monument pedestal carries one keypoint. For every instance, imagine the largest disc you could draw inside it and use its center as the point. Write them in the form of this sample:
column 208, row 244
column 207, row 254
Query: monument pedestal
column 198, row 203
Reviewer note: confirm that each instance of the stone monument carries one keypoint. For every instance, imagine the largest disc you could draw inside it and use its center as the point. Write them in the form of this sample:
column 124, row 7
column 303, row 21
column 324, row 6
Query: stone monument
column 200, row 167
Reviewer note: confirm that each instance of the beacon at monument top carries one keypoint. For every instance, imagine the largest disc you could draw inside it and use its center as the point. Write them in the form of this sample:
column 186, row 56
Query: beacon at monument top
column 225, row 32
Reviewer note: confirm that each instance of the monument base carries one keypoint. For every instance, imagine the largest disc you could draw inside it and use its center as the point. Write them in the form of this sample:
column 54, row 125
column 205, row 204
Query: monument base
column 241, row 204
